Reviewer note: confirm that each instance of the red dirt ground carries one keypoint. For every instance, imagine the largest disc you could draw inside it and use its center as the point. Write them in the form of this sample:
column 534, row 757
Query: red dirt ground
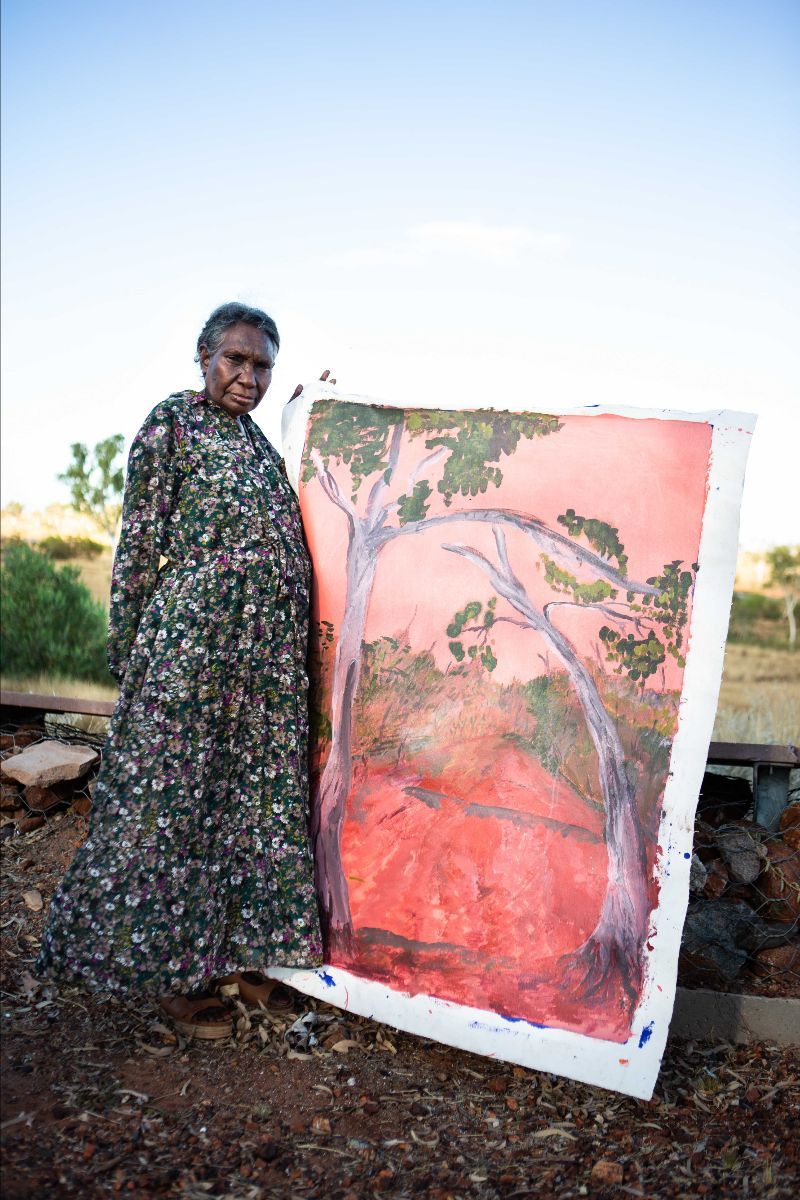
column 101, row 1100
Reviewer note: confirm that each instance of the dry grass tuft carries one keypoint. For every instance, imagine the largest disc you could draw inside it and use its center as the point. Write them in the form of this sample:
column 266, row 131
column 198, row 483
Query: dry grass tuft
column 759, row 699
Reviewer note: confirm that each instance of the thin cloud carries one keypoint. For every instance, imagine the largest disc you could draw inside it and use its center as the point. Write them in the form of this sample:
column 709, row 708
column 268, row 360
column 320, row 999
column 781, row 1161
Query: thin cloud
column 493, row 242
column 370, row 256
column 466, row 239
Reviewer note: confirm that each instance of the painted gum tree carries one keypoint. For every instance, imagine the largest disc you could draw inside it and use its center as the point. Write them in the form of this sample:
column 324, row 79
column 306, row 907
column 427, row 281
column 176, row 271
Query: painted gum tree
column 462, row 452
column 643, row 624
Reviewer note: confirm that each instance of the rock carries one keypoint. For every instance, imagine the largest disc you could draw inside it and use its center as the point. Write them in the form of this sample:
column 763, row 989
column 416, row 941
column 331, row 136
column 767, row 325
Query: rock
column 6, row 741
column 741, row 854
column 33, row 899
column 40, row 799
column 778, row 960
column 24, row 737
column 28, row 824
column 9, row 798
column 790, row 826
column 716, row 879
column 606, row 1171
column 778, row 889
column 498, row 1084
column 48, row 763
column 719, row 937
column 698, row 875
column 320, row 1125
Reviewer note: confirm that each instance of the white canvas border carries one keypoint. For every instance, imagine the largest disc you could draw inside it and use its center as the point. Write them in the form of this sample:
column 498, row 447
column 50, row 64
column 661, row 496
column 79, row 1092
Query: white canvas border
column 632, row 1067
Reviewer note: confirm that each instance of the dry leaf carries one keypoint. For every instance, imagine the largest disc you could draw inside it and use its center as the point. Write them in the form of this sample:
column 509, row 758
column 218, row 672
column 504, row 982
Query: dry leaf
column 552, row 1132
column 344, row 1045
column 422, row 1142
column 605, row 1170
column 320, row 1125
column 29, row 985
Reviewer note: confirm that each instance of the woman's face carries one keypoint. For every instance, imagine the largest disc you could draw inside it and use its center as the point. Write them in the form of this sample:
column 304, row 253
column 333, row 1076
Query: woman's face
column 239, row 371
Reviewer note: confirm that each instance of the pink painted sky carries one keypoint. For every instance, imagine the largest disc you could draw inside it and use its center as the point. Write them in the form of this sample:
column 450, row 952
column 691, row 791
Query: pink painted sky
column 646, row 477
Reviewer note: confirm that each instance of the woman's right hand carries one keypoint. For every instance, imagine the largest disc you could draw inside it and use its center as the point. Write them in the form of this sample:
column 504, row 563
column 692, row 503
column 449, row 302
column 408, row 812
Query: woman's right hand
column 324, row 378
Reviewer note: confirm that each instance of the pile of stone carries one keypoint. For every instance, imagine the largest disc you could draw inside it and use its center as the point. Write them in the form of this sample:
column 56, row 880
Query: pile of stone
column 40, row 777
column 742, row 929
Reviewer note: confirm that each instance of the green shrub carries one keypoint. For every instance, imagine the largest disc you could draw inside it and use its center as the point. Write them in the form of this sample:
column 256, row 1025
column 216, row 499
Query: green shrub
column 50, row 623
column 73, row 547
column 752, row 606
column 755, row 619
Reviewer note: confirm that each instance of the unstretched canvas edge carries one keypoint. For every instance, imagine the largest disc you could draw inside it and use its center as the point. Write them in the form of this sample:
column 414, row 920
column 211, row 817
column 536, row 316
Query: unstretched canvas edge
column 631, row 1067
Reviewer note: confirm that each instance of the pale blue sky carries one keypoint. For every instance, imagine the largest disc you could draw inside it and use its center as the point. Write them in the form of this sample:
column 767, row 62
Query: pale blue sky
column 591, row 202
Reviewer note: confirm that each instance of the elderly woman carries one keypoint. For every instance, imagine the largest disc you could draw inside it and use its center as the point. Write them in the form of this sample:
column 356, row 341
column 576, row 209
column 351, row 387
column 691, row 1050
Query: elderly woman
column 197, row 867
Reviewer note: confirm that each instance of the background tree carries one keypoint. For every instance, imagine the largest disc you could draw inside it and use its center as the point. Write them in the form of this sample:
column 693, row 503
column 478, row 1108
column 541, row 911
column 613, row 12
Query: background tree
column 96, row 484
column 784, row 565
column 658, row 613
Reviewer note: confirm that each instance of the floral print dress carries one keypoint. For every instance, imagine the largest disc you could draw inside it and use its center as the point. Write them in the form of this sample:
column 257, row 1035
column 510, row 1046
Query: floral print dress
column 197, row 861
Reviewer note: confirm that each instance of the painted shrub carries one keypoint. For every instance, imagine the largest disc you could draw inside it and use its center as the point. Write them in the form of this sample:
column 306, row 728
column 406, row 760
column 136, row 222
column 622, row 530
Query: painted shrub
column 503, row 604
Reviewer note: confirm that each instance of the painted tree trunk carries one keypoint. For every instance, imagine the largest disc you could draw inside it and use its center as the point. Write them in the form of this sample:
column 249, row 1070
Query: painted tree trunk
column 337, row 776
column 619, row 934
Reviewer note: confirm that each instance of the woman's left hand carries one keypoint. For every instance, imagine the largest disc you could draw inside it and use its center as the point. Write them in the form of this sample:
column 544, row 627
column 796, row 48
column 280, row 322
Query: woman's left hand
column 324, row 378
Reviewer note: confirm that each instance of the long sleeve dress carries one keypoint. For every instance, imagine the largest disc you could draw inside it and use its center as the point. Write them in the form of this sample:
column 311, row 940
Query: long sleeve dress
column 198, row 861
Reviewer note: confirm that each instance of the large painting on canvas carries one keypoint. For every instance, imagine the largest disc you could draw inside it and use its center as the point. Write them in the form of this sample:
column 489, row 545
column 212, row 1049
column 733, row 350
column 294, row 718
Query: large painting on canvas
column 502, row 615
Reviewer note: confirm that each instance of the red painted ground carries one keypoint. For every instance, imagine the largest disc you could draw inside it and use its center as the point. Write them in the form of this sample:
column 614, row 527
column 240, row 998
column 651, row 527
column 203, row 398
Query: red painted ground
column 452, row 897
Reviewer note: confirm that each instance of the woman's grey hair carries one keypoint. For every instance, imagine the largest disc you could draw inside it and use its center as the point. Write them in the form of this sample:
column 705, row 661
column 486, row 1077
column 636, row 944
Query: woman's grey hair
column 234, row 313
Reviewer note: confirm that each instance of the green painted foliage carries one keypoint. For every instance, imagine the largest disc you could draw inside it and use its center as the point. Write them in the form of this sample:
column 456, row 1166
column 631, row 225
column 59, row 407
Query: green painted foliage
column 355, row 434
column 414, row 507
column 640, row 657
column 470, row 612
column 463, row 623
column 358, row 435
column 474, row 441
column 601, row 536
column 582, row 593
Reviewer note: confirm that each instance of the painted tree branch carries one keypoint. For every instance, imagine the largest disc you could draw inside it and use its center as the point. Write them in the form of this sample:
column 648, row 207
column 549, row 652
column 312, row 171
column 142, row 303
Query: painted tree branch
column 548, row 539
column 618, row 936
column 422, row 466
column 612, row 613
column 331, row 488
column 375, row 516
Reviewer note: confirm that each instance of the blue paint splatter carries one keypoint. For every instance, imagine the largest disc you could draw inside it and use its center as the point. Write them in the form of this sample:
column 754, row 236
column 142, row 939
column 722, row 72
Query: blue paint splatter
column 687, row 854
column 327, row 979
column 646, row 1034
column 516, row 1020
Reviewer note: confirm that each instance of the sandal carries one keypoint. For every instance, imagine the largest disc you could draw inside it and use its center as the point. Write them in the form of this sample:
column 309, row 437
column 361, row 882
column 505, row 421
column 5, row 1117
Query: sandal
column 256, row 990
column 199, row 1015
